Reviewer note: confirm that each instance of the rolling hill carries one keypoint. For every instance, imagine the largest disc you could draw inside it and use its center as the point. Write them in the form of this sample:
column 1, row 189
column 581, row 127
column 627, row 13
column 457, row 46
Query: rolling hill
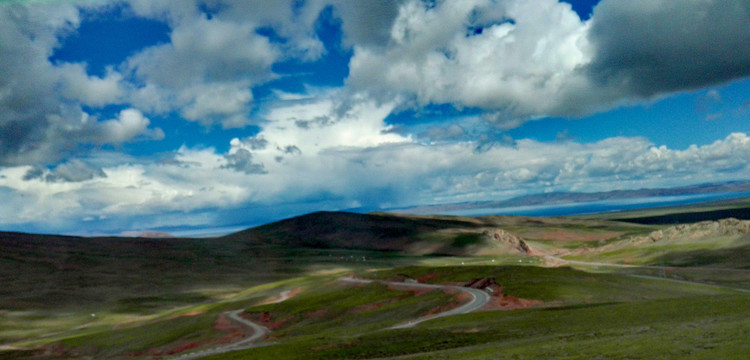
column 73, row 298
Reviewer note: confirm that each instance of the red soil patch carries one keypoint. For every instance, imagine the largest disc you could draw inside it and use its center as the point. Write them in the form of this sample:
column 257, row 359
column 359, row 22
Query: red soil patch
column 267, row 320
column 500, row 301
column 425, row 278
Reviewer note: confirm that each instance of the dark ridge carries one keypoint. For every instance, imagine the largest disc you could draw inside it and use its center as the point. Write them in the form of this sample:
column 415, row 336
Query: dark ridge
column 376, row 231
column 692, row 217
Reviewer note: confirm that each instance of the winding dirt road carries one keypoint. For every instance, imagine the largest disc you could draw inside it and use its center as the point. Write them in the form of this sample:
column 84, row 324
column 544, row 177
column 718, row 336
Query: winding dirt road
column 258, row 333
column 479, row 298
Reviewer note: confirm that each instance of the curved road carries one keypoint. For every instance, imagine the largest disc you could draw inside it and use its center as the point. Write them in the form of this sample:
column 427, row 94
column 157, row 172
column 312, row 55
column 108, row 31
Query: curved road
column 258, row 333
column 479, row 299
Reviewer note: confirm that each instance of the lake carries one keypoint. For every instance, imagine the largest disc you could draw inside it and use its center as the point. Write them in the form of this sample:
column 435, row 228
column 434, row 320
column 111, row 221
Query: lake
column 600, row 206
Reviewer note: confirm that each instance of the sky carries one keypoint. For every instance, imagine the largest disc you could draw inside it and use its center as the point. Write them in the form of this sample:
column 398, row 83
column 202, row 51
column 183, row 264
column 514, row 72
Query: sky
column 118, row 117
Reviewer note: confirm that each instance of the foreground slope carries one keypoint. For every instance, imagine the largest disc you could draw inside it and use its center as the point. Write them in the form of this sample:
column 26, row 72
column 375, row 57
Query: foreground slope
column 577, row 315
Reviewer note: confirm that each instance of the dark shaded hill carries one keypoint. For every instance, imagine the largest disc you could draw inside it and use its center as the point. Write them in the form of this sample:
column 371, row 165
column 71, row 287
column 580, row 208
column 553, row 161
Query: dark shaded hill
column 60, row 270
column 376, row 231
column 419, row 234
column 681, row 218
column 49, row 270
column 669, row 215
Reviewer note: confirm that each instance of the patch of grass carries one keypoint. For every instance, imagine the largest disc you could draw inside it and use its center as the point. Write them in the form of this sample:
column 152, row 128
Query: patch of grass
column 703, row 327
column 146, row 336
column 146, row 304
column 565, row 285
column 337, row 308
column 464, row 240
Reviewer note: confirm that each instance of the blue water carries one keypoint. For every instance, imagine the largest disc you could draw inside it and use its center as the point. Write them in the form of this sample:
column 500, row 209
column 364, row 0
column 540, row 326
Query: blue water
column 591, row 207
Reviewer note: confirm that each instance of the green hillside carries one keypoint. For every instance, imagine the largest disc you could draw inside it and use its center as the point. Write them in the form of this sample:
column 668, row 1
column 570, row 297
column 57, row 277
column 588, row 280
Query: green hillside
column 558, row 288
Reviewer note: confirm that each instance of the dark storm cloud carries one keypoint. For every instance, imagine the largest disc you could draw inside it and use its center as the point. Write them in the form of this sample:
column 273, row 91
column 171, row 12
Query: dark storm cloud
column 647, row 47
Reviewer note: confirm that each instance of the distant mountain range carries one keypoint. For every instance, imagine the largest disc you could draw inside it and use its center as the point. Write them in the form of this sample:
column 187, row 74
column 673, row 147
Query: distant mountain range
column 576, row 197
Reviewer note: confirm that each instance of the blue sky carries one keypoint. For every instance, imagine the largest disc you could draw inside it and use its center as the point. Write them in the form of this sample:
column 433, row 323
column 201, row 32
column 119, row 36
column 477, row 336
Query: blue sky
column 118, row 117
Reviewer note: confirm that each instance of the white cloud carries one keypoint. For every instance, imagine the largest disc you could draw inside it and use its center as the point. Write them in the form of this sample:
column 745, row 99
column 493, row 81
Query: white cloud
column 332, row 147
column 90, row 90
column 345, row 155
column 525, row 60
column 205, row 72
column 129, row 124
column 41, row 103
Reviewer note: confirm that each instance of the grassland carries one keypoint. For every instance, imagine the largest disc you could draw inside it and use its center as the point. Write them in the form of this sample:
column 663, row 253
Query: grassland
column 585, row 316
column 76, row 298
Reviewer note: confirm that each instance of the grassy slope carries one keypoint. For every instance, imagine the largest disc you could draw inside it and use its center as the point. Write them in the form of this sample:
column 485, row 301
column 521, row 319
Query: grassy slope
column 144, row 284
column 590, row 310
column 52, row 284
column 342, row 310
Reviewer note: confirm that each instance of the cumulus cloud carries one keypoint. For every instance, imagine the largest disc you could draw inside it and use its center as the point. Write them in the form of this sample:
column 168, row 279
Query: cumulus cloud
column 515, row 56
column 41, row 103
column 77, row 85
column 219, row 51
column 352, row 160
column 522, row 59
column 129, row 124
column 205, row 71
column 332, row 148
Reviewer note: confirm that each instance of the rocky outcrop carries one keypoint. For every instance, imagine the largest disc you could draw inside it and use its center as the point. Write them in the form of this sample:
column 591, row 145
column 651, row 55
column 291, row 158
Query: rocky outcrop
column 509, row 240
column 724, row 227
column 683, row 232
